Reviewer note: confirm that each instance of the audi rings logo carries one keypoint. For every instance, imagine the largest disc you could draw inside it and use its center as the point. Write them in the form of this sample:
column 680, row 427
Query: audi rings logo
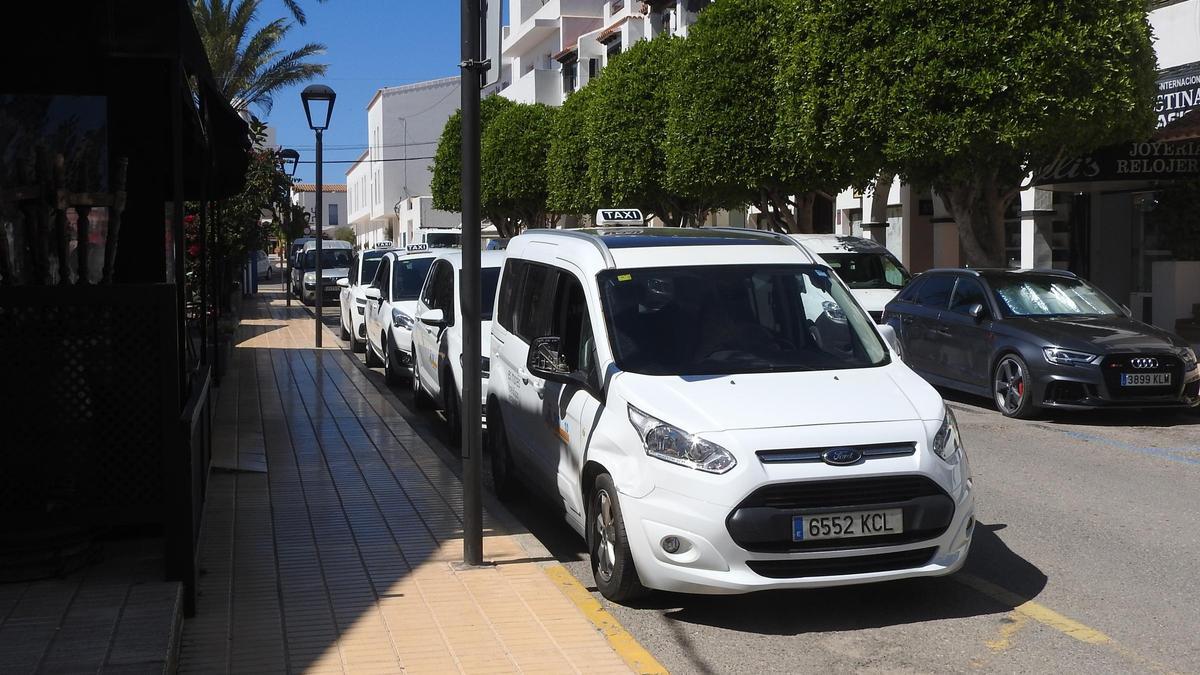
column 1144, row 362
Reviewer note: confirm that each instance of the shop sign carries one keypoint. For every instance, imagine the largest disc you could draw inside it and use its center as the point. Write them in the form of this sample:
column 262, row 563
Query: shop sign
column 1178, row 93
column 1127, row 162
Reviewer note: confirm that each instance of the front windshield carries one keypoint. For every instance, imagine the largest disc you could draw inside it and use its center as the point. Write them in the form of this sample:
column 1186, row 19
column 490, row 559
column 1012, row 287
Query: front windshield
column 1051, row 296
column 443, row 240
column 720, row 320
column 488, row 278
column 408, row 277
column 330, row 258
column 369, row 267
column 868, row 270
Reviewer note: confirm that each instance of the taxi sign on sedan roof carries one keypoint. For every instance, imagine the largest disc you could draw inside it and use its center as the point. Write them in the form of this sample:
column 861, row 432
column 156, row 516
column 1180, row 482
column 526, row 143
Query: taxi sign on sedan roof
column 417, row 248
column 383, row 244
column 619, row 217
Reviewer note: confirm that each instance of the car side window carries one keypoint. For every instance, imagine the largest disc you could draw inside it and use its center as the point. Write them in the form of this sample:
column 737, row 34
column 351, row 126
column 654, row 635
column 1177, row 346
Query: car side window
column 572, row 325
column 354, row 268
column 909, row 294
column 444, row 292
column 532, row 319
column 514, row 275
column 967, row 292
column 429, row 292
column 381, row 275
column 935, row 292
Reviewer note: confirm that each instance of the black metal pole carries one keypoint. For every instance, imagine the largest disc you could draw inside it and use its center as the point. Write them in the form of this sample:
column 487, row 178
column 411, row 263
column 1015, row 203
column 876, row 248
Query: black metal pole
column 472, row 432
column 319, row 280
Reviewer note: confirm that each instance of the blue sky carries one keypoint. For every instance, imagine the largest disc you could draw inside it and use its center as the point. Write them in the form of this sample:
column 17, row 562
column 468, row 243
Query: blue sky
column 369, row 44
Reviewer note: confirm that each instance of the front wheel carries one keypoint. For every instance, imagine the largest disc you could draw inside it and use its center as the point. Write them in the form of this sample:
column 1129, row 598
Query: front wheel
column 612, row 562
column 1012, row 388
column 391, row 364
column 453, row 409
column 421, row 400
column 503, row 481
column 345, row 331
column 372, row 360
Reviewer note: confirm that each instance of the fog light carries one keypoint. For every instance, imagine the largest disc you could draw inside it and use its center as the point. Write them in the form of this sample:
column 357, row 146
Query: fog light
column 670, row 544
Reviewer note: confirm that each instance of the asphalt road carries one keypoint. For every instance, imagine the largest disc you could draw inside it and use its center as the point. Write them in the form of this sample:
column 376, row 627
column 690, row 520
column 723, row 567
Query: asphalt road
column 1085, row 560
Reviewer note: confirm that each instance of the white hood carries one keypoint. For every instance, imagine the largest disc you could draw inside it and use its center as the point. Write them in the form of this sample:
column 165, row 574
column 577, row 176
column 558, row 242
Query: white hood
column 772, row 400
column 873, row 299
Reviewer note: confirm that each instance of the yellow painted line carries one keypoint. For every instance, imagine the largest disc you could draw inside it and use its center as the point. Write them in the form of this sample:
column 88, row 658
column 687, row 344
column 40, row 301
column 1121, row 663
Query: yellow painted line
column 1037, row 612
column 1013, row 623
column 624, row 644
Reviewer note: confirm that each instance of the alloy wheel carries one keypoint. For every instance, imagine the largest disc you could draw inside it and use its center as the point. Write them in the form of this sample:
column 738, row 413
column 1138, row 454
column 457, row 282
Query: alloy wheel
column 606, row 535
column 1009, row 386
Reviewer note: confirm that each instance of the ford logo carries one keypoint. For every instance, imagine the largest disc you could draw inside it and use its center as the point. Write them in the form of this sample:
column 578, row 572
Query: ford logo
column 841, row 456
column 1144, row 362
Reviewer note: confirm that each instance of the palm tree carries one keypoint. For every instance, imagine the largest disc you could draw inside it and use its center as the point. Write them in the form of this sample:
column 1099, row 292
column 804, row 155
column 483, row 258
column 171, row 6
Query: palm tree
column 250, row 68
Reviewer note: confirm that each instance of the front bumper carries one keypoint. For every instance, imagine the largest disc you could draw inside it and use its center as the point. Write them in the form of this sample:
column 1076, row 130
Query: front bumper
column 1098, row 385
column 710, row 562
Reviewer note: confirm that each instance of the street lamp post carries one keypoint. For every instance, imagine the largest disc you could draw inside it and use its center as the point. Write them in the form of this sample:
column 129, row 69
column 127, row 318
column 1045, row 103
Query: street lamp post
column 288, row 160
column 318, row 108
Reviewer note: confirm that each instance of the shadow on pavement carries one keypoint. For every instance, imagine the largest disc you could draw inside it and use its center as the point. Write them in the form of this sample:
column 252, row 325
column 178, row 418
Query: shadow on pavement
column 1102, row 417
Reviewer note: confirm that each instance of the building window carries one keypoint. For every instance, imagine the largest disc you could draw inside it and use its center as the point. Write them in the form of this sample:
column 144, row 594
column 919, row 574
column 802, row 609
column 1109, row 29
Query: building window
column 593, row 68
column 570, row 76
column 614, row 48
column 333, row 214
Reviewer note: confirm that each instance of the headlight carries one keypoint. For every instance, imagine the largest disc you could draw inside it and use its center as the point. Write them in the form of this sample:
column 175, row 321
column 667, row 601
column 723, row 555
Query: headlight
column 672, row 444
column 946, row 442
column 401, row 320
column 1066, row 357
column 1189, row 358
column 310, row 276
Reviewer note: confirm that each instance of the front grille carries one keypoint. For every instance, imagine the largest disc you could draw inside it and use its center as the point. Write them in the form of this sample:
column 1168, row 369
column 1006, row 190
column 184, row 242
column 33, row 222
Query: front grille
column 1112, row 367
column 802, row 455
column 827, row 567
column 842, row 492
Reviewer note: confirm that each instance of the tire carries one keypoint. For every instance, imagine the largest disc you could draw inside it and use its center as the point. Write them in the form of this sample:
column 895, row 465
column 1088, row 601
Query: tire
column 503, row 478
column 345, row 333
column 453, row 407
column 608, row 546
column 372, row 360
column 357, row 346
column 391, row 365
column 421, row 400
column 1012, row 389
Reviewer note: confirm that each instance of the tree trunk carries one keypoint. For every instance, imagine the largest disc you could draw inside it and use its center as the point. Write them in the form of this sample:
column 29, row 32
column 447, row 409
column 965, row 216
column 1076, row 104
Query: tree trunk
column 978, row 207
column 879, row 207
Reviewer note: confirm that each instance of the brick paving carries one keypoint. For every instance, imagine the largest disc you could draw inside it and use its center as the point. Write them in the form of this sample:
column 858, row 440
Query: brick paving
column 331, row 528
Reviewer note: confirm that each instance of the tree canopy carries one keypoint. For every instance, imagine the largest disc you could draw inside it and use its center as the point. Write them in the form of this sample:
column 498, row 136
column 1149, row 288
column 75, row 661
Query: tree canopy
column 513, row 181
column 569, row 187
column 968, row 97
column 446, row 183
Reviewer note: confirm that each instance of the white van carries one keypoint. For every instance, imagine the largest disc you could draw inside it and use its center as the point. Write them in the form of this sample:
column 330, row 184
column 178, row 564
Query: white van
column 716, row 414
column 437, row 337
column 335, row 265
column 868, row 268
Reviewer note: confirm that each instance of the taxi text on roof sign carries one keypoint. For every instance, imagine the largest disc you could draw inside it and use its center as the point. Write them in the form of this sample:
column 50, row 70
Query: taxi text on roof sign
column 417, row 248
column 619, row 217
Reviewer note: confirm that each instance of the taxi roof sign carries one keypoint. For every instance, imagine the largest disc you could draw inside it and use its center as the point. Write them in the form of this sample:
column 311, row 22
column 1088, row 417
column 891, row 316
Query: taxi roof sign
column 417, row 248
column 619, row 217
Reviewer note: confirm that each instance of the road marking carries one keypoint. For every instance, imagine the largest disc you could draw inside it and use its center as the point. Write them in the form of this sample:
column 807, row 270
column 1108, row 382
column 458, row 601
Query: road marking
column 1013, row 623
column 624, row 644
column 1035, row 611
column 1172, row 454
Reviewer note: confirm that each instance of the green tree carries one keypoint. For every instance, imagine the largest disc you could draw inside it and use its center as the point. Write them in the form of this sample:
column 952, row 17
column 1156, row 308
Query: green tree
column 513, row 179
column 627, row 137
column 568, row 189
column 974, row 96
column 345, row 233
column 251, row 65
column 446, row 182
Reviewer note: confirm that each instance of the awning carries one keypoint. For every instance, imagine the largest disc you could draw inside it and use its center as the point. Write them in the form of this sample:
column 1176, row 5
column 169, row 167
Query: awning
column 1186, row 128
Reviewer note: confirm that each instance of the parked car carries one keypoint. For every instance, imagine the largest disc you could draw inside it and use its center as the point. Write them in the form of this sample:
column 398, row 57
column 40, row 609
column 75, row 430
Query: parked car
column 391, row 304
column 352, row 299
column 295, row 252
column 1038, row 339
column 262, row 265
column 335, row 264
column 714, row 413
column 437, row 337
column 868, row 268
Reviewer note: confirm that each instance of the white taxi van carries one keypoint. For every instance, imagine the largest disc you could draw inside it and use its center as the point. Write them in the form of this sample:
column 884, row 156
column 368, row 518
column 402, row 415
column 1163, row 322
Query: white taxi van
column 716, row 414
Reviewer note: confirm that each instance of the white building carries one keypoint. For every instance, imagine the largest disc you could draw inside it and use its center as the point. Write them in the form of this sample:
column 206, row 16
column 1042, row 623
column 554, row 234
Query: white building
column 388, row 186
column 333, row 203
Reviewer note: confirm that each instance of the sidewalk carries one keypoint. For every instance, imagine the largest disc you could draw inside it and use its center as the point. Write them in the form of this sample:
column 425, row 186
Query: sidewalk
column 331, row 528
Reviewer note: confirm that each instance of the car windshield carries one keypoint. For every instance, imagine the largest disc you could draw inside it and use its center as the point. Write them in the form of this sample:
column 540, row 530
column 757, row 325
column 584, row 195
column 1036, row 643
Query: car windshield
column 878, row 269
column 407, row 277
column 330, row 258
column 1051, row 296
column 443, row 240
column 720, row 320
column 488, row 277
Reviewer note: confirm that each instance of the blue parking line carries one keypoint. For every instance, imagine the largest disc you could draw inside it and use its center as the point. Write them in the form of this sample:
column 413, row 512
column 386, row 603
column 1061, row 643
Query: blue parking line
column 1171, row 454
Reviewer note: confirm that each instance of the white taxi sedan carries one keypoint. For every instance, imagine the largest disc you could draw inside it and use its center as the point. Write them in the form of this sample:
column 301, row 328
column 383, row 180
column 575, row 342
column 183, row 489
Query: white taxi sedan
column 391, row 300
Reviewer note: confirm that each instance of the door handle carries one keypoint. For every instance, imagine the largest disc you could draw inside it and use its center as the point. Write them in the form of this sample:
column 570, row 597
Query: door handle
column 944, row 332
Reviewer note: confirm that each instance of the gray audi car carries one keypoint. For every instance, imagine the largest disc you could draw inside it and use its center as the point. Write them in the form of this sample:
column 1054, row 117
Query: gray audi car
column 1038, row 339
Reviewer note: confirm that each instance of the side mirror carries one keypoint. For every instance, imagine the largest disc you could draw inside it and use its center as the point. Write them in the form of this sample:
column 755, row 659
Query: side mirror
column 372, row 293
column 889, row 336
column 345, row 283
column 546, row 361
column 976, row 311
column 1128, row 312
column 434, row 317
